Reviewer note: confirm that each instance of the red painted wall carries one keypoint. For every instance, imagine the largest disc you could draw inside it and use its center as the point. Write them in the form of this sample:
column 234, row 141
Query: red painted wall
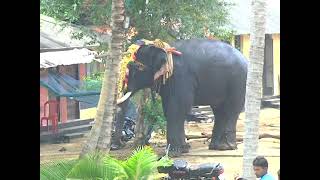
column 43, row 99
column 82, row 71
column 43, row 94
column 63, row 102
column 63, row 109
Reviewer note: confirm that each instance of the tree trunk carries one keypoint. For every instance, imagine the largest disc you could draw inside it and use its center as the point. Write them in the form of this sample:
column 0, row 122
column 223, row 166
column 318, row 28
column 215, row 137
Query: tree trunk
column 100, row 135
column 119, row 122
column 141, row 128
column 254, row 86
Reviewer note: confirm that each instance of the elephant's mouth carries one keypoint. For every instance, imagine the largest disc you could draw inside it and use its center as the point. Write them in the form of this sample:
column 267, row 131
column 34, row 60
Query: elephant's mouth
column 124, row 98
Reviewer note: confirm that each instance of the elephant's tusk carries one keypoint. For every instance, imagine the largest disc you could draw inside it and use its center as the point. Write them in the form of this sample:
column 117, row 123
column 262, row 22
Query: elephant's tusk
column 124, row 98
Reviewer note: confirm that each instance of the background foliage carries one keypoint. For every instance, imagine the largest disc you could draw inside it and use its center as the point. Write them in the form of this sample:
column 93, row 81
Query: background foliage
column 154, row 116
column 166, row 19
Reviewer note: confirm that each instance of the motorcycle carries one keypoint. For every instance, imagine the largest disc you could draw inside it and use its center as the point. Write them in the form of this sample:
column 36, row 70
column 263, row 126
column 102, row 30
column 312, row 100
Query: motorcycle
column 128, row 129
column 180, row 170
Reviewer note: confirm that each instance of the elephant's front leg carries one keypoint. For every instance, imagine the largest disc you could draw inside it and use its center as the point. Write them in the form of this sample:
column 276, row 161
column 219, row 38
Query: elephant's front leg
column 175, row 115
column 176, row 137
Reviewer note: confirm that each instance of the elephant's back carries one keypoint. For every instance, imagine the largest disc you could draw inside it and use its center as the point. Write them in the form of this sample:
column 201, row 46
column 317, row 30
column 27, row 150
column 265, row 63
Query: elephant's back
column 214, row 65
column 210, row 53
column 209, row 50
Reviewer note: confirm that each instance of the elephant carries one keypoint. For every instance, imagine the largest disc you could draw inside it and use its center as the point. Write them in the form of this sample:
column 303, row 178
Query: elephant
column 205, row 72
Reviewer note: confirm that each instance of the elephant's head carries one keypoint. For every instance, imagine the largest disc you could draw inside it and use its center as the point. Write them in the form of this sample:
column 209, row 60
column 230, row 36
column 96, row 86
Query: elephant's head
column 148, row 66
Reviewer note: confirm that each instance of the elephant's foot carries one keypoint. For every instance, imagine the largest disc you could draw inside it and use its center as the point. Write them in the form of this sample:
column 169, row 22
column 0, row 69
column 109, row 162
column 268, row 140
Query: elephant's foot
column 227, row 142
column 116, row 145
column 185, row 148
column 176, row 151
column 222, row 146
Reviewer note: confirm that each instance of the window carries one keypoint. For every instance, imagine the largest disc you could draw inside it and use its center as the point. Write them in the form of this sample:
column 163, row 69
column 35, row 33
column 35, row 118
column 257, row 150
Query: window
column 237, row 42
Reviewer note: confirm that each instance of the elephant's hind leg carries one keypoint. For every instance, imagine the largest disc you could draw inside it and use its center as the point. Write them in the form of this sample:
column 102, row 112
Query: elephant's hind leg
column 224, row 130
column 226, row 116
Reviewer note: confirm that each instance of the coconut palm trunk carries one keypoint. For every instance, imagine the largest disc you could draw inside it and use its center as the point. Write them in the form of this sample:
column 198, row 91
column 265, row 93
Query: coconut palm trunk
column 254, row 86
column 141, row 128
column 100, row 135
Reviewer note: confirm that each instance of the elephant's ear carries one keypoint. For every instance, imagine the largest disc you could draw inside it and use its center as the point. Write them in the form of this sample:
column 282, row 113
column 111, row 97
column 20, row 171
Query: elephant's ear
column 159, row 58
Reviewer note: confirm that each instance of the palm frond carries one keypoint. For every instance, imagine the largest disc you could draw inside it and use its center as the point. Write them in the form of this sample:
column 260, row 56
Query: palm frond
column 114, row 169
column 141, row 164
column 89, row 167
column 99, row 166
column 56, row 170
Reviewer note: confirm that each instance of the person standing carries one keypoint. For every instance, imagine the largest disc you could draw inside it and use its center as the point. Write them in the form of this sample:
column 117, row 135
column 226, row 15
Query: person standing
column 260, row 167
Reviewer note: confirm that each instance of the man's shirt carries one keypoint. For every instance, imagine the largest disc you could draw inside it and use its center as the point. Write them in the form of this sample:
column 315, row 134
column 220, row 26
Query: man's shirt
column 267, row 177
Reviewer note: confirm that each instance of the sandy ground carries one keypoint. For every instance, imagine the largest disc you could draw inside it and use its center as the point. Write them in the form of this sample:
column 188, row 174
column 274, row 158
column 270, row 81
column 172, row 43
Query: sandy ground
column 199, row 153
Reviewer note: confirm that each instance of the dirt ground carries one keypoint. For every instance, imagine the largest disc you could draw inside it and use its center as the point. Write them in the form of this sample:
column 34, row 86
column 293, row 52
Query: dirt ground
column 199, row 153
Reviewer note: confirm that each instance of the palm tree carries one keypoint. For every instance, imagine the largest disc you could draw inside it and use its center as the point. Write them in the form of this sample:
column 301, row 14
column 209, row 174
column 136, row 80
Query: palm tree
column 254, row 86
column 100, row 134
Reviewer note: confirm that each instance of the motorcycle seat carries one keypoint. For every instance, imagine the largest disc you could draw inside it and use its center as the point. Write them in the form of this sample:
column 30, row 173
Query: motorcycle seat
column 205, row 169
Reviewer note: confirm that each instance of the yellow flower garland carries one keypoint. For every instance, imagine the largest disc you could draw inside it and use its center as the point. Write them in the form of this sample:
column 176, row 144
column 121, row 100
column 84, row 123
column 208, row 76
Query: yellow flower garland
column 127, row 57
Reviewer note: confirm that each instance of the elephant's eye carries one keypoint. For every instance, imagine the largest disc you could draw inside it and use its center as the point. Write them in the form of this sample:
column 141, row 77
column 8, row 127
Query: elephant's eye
column 141, row 67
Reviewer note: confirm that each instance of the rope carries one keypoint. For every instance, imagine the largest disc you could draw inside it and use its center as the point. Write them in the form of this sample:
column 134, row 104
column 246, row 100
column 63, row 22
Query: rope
column 168, row 66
